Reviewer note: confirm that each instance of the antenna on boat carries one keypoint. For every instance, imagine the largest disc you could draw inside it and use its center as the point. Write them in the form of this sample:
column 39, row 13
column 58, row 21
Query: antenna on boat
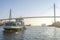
column 54, row 14
column 10, row 15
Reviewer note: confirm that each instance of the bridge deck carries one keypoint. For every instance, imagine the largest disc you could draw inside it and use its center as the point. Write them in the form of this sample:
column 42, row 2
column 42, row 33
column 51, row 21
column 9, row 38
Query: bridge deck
column 33, row 17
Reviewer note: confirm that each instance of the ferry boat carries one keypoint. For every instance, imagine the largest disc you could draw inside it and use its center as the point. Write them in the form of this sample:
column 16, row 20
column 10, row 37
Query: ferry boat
column 13, row 26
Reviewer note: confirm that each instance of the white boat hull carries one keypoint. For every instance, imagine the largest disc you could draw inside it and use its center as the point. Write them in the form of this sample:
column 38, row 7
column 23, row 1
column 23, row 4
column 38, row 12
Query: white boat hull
column 13, row 28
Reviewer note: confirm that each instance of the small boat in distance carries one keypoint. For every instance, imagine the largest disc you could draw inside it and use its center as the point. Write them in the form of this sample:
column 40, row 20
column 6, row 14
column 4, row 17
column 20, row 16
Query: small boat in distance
column 28, row 25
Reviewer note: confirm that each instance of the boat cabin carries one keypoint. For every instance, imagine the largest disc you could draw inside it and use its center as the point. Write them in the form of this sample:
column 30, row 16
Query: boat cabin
column 14, row 23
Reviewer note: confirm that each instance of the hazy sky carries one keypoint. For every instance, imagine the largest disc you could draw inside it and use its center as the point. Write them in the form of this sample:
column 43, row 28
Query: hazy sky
column 28, row 7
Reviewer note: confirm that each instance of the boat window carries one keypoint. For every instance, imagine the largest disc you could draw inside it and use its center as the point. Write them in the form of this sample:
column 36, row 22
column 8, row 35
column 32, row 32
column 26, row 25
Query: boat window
column 13, row 24
column 10, row 24
column 19, row 23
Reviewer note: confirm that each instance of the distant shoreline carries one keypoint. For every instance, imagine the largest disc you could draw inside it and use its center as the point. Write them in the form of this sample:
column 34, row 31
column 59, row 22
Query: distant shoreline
column 55, row 24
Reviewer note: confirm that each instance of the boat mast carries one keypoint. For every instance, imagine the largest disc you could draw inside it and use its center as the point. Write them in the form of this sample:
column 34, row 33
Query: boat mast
column 54, row 14
column 10, row 15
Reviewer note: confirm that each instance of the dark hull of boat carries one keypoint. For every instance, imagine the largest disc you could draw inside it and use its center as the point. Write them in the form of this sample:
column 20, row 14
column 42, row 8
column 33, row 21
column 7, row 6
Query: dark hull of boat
column 12, row 30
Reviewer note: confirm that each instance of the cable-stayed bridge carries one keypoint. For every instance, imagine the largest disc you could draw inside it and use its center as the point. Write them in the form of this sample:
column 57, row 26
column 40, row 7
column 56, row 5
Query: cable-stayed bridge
column 54, row 16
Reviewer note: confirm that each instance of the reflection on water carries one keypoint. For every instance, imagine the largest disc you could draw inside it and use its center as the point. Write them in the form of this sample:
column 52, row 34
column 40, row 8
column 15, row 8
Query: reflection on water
column 32, row 33
column 13, row 36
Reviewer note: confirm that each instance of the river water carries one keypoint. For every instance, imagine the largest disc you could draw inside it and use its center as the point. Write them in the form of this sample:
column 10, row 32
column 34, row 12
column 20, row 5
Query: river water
column 32, row 33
